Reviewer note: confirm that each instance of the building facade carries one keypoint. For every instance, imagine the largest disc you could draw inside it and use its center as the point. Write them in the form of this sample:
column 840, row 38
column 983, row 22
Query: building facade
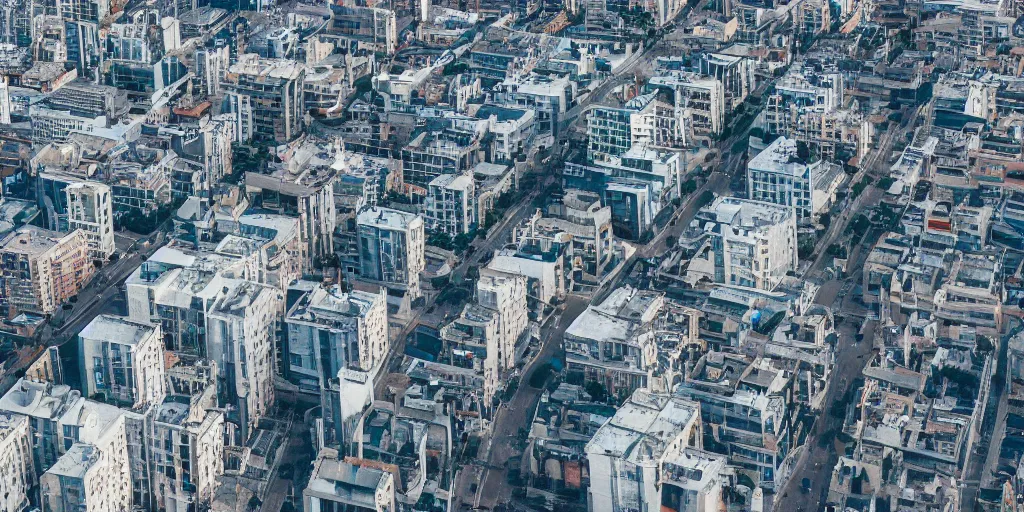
column 90, row 208
column 40, row 269
column 122, row 361
column 391, row 248
column 451, row 204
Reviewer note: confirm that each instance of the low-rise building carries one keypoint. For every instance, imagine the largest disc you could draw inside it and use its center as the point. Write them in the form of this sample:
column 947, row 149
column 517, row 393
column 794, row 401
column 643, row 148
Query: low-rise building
column 613, row 343
column 342, row 485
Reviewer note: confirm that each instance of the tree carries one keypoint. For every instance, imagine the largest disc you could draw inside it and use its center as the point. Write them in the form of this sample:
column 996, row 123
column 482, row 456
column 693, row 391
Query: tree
column 805, row 247
column 462, row 241
column 254, row 504
column 825, row 219
column 540, row 375
column 705, row 198
column 441, row 239
column 670, row 241
column 596, row 390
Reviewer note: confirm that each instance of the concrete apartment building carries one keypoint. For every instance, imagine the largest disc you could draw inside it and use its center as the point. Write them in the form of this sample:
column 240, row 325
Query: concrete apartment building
column 17, row 470
column 86, row 98
column 451, row 204
column 40, row 269
column 626, row 455
column 486, row 335
column 269, row 92
column 692, row 481
column 780, row 174
column 241, row 334
column 699, row 100
column 549, row 97
column 44, row 404
column 329, row 329
column 176, row 288
column 95, row 470
column 542, row 266
column 122, row 362
column 613, row 343
column 186, row 446
column 304, row 190
column 506, row 294
column 391, row 248
column 611, row 132
column 88, row 478
column 374, row 27
column 90, row 208
column 581, row 223
column 329, row 332
column 742, row 242
column 340, row 485
column 735, row 72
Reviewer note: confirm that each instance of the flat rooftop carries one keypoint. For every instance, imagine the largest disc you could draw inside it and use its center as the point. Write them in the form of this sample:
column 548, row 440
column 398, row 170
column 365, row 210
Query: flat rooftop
column 387, row 218
column 30, row 240
column 116, row 329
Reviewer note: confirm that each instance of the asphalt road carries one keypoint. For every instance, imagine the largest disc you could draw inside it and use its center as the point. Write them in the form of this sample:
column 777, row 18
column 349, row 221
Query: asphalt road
column 819, row 457
column 985, row 460
column 96, row 296
column 817, row 460
column 504, row 440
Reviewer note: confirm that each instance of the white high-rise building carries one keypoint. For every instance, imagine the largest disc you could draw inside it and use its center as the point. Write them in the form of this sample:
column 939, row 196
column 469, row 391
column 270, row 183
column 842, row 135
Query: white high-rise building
column 781, row 174
column 240, row 109
column 90, row 208
column 391, row 248
column 217, row 135
column 352, row 326
column 451, row 203
column 210, row 66
column 330, row 334
column 485, row 336
column 504, row 293
column 747, row 243
column 186, row 451
column 95, row 472
column 122, row 361
column 5, row 101
column 242, row 327
column 627, row 454
column 17, row 473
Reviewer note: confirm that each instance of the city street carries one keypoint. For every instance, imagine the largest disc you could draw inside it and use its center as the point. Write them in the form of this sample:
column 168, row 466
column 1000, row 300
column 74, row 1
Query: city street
column 502, row 445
